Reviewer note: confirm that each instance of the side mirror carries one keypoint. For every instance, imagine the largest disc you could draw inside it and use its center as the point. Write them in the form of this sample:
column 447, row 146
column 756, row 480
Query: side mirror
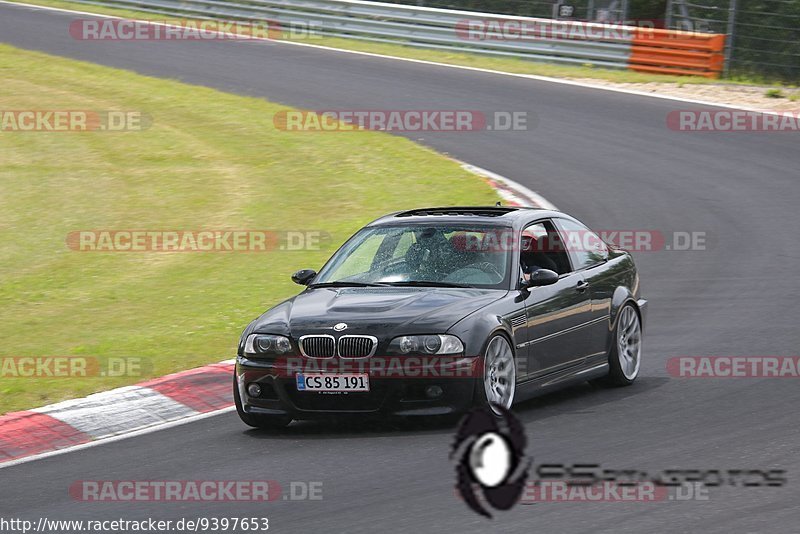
column 540, row 277
column 304, row 276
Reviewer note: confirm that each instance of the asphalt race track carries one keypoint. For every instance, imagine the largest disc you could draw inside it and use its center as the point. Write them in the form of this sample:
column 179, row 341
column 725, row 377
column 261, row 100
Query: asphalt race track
column 607, row 158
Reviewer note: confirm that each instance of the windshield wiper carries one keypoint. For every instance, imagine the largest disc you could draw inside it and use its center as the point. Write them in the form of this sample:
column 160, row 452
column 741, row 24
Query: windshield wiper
column 423, row 283
column 342, row 283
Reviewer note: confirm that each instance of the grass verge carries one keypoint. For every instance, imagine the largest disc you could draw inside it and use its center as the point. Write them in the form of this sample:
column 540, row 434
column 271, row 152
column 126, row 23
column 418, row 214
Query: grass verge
column 209, row 160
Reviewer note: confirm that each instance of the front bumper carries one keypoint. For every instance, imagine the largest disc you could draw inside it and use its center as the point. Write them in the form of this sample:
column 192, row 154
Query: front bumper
column 388, row 395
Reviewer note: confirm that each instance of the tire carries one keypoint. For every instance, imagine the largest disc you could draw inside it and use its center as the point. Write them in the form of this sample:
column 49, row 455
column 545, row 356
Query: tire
column 499, row 377
column 258, row 421
column 625, row 355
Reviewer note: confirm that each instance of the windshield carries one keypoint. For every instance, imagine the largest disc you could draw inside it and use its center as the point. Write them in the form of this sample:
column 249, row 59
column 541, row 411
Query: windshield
column 422, row 255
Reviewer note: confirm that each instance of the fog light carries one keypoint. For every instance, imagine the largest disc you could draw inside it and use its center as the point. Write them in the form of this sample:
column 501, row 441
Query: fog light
column 433, row 392
column 254, row 390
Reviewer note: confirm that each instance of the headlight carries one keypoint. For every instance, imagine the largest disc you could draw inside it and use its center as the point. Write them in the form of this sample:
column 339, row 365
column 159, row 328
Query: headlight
column 428, row 344
column 266, row 345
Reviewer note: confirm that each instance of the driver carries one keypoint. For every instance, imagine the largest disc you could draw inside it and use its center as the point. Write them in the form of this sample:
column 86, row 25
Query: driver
column 532, row 256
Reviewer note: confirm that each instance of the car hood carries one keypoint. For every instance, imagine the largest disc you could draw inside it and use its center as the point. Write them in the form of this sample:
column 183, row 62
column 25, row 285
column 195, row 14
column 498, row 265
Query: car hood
column 383, row 312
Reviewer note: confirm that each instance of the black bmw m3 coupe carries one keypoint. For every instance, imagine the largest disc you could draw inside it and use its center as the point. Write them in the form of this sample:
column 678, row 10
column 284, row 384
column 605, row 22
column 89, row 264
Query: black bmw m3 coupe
column 433, row 311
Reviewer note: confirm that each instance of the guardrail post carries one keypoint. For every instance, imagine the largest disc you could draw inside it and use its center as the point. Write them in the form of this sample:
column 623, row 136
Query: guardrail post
column 668, row 21
column 731, row 34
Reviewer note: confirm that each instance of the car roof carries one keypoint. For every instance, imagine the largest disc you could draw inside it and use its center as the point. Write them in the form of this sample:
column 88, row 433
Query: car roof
column 492, row 215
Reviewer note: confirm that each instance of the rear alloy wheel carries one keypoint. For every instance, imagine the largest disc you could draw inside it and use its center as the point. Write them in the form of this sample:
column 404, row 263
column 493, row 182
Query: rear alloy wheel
column 257, row 420
column 499, row 374
column 625, row 356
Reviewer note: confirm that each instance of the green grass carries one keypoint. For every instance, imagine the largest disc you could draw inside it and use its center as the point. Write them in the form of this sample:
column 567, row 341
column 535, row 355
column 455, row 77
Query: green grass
column 512, row 65
column 210, row 160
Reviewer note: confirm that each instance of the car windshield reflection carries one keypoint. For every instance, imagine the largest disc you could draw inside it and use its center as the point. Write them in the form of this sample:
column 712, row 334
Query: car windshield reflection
column 425, row 256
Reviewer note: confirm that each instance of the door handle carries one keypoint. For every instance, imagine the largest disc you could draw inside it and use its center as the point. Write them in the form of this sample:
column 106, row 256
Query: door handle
column 582, row 286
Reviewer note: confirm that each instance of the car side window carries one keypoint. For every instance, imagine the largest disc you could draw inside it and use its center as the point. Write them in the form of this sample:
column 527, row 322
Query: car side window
column 541, row 248
column 585, row 247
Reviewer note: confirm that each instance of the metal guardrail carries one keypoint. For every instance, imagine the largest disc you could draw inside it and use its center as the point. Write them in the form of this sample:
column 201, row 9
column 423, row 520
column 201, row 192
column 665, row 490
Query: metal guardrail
column 554, row 41
column 412, row 26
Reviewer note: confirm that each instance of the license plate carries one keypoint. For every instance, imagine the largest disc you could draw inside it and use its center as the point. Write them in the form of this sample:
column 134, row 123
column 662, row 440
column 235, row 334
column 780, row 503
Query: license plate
column 320, row 382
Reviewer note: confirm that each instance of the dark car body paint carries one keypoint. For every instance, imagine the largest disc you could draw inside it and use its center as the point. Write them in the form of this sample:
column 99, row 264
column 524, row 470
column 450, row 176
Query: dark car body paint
column 560, row 334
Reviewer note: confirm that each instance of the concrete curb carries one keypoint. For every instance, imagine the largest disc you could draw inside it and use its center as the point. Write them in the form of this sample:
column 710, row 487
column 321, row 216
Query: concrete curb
column 511, row 192
column 117, row 412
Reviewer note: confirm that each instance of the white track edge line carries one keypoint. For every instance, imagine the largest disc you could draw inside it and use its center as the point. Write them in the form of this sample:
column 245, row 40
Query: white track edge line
column 426, row 62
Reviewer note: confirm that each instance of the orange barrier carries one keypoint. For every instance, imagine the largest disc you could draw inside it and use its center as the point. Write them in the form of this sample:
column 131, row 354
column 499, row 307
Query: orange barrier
column 677, row 52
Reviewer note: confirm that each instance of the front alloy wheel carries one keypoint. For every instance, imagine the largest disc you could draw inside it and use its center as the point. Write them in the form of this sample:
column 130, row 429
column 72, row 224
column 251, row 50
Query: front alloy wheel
column 499, row 374
column 626, row 350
